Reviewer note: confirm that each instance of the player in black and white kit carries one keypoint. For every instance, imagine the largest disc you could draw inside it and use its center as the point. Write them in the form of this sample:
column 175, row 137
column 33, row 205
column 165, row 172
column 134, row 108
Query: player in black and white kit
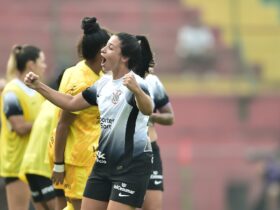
column 121, row 173
column 163, row 115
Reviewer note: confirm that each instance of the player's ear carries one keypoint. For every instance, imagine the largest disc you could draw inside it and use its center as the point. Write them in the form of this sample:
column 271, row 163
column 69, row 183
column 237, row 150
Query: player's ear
column 30, row 65
column 124, row 59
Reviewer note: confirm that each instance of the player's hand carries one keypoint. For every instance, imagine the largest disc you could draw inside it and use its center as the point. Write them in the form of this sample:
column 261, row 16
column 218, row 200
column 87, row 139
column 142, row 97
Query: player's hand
column 32, row 80
column 57, row 178
column 130, row 82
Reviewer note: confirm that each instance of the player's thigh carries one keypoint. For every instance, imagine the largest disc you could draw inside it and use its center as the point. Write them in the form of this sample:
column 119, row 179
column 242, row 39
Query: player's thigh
column 113, row 205
column 17, row 194
column 153, row 200
column 92, row 204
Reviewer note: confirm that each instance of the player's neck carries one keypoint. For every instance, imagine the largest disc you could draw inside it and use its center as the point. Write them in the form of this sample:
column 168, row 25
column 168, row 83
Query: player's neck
column 94, row 66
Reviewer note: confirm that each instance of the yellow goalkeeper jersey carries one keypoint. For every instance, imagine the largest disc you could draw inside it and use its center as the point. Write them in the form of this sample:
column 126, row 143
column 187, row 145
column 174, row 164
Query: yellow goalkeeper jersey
column 85, row 130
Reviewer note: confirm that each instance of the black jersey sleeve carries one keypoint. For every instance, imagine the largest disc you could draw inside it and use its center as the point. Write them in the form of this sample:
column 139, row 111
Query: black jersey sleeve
column 131, row 97
column 144, row 87
column 160, row 96
column 160, row 102
column 12, row 105
column 90, row 95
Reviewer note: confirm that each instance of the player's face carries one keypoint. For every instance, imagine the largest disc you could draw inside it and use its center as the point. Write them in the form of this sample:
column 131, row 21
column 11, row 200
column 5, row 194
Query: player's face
column 40, row 64
column 111, row 54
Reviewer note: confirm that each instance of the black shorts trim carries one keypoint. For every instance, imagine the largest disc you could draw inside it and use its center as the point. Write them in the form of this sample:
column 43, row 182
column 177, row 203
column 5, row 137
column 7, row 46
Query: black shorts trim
column 156, row 177
column 8, row 180
column 59, row 192
column 41, row 187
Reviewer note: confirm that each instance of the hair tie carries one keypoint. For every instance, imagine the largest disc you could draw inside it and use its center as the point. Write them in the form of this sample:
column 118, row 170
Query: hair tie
column 17, row 49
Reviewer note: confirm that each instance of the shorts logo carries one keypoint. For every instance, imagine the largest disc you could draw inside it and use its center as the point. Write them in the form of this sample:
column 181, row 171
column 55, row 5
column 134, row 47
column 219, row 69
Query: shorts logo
column 156, row 175
column 67, row 186
column 123, row 195
column 122, row 188
column 157, row 182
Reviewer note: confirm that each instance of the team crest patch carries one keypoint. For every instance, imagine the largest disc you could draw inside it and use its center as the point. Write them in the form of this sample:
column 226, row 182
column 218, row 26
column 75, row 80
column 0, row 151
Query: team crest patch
column 116, row 96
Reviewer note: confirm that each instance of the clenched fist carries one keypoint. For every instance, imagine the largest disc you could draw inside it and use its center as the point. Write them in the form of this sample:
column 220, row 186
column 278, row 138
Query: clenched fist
column 130, row 82
column 31, row 80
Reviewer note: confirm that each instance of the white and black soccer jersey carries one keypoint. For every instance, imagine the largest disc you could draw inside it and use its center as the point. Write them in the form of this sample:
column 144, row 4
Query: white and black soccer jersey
column 124, row 127
column 157, row 91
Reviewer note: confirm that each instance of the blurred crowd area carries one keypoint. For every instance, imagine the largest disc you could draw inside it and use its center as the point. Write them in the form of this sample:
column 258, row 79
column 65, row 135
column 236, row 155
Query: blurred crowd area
column 220, row 40
column 219, row 61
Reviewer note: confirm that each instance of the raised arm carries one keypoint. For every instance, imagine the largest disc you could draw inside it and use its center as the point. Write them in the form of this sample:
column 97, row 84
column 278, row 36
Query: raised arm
column 64, row 101
column 143, row 101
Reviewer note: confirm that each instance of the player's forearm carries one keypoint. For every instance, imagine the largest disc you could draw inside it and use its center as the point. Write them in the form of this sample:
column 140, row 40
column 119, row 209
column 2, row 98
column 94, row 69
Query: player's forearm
column 57, row 98
column 60, row 143
column 162, row 118
column 144, row 102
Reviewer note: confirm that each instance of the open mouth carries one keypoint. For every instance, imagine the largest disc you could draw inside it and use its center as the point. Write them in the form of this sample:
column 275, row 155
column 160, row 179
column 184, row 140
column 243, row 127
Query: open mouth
column 103, row 61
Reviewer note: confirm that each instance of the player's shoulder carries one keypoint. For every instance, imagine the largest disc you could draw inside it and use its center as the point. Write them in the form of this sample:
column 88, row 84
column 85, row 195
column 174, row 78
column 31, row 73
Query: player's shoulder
column 151, row 78
column 141, row 81
column 104, row 79
column 138, row 78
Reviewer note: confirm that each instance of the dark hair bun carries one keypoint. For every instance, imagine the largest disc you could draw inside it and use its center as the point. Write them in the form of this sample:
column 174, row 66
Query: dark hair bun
column 17, row 49
column 89, row 25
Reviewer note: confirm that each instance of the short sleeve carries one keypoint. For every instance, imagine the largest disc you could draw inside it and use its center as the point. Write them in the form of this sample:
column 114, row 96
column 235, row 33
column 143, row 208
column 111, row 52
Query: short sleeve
column 11, row 105
column 90, row 95
column 76, row 89
column 160, row 96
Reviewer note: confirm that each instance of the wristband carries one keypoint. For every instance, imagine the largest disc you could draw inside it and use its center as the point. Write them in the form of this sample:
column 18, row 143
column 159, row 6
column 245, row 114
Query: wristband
column 59, row 163
column 59, row 168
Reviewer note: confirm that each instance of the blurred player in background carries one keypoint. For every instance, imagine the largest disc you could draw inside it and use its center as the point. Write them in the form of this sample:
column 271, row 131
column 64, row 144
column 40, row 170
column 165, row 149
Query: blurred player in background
column 162, row 115
column 35, row 165
column 20, row 106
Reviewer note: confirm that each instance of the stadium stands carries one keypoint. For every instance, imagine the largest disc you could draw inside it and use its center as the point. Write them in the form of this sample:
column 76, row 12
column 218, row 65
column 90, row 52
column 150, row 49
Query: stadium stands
column 251, row 24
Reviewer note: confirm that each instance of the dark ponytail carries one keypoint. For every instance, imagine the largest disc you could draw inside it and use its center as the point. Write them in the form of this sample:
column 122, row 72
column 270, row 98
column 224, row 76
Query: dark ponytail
column 147, row 59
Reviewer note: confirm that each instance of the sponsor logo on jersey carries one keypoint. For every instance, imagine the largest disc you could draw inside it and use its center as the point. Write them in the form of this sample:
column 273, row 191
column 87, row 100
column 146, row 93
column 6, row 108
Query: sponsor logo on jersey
column 101, row 157
column 106, row 123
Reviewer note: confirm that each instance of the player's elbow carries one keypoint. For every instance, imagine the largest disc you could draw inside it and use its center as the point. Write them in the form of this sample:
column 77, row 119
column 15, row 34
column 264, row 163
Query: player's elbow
column 170, row 121
column 147, row 110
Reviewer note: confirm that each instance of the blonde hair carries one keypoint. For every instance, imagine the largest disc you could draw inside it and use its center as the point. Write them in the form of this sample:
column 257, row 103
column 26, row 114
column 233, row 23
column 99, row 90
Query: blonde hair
column 11, row 69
